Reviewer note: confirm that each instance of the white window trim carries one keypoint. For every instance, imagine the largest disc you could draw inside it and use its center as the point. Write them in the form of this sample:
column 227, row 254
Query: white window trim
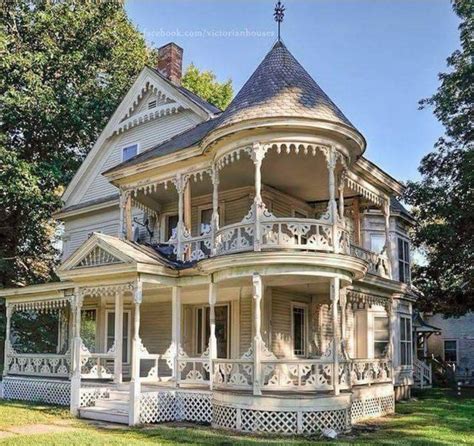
column 378, row 235
column 399, row 259
column 406, row 366
column 164, row 224
column 197, row 335
column 129, row 331
column 200, row 209
column 306, row 329
column 457, row 348
column 123, row 147
column 380, row 314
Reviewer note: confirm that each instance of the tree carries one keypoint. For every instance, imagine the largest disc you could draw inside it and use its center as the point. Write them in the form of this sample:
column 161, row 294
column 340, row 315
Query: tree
column 205, row 85
column 442, row 200
column 64, row 68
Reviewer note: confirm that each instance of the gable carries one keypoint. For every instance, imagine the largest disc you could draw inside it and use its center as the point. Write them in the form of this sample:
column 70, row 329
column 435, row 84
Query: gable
column 97, row 257
column 174, row 112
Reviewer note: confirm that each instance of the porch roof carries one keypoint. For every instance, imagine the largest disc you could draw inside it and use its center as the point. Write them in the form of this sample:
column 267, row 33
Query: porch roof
column 420, row 326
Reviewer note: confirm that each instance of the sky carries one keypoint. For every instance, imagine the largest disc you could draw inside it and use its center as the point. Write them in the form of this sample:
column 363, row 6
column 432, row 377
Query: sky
column 374, row 58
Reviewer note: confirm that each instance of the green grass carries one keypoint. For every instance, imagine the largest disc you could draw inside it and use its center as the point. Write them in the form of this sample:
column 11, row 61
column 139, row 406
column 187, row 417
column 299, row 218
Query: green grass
column 437, row 417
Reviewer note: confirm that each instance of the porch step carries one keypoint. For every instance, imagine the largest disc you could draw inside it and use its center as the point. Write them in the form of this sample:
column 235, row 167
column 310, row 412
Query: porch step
column 104, row 414
column 119, row 395
column 108, row 403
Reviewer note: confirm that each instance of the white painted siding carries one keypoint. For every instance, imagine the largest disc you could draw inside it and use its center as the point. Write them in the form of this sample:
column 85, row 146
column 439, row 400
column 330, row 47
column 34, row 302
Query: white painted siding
column 147, row 135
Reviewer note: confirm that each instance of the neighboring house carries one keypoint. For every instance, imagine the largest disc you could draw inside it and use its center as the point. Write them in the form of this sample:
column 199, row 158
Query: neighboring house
column 248, row 268
column 453, row 344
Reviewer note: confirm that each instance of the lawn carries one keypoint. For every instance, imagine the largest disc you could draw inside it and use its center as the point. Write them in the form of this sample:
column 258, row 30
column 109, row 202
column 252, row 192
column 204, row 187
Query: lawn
column 435, row 417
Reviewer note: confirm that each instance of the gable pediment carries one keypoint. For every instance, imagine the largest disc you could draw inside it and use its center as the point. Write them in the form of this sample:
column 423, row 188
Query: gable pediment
column 97, row 257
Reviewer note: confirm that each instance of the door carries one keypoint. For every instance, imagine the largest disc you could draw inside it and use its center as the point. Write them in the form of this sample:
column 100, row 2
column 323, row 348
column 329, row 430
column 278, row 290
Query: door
column 110, row 333
column 203, row 329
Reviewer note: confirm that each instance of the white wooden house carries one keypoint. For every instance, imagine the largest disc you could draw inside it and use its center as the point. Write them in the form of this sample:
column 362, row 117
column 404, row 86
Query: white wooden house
column 247, row 268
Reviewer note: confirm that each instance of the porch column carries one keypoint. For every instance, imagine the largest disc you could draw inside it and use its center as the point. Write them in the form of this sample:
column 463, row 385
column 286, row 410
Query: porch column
column 180, row 185
column 187, row 207
column 212, row 336
column 258, row 153
column 342, row 302
column 9, row 312
column 121, row 214
column 388, row 247
column 341, row 197
column 135, row 384
column 331, row 163
column 118, row 341
column 257, row 340
column 334, row 293
column 176, row 330
column 128, row 215
column 76, row 306
column 215, row 207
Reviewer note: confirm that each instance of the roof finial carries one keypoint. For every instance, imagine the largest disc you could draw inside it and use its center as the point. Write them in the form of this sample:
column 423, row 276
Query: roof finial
column 279, row 14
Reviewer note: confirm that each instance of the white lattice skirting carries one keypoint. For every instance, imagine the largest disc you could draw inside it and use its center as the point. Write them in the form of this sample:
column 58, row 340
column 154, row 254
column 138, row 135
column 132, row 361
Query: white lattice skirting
column 158, row 407
column 38, row 390
column 372, row 407
column 279, row 422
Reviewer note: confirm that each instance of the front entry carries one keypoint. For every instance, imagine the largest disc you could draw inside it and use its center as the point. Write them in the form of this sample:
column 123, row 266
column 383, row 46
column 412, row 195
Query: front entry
column 202, row 329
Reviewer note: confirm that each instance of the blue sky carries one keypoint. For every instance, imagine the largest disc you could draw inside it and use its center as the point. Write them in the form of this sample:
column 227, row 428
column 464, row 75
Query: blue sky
column 375, row 58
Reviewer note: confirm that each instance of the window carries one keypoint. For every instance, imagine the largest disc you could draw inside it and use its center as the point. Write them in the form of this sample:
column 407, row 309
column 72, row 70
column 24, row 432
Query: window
column 125, row 333
column 203, row 329
column 171, row 226
column 377, row 242
column 381, row 336
column 129, row 152
column 403, row 260
column 451, row 351
column 405, row 341
column 299, row 329
column 205, row 221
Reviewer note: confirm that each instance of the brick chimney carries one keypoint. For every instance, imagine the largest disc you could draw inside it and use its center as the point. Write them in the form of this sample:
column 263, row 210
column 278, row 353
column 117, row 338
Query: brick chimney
column 170, row 62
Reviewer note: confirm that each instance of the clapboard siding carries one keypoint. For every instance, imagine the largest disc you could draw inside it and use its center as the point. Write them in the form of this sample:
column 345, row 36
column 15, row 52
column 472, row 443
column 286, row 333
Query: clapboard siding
column 147, row 135
column 78, row 230
column 245, row 323
column 281, row 320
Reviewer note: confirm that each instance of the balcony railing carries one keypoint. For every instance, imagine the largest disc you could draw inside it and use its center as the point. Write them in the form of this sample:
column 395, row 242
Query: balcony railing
column 275, row 233
column 37, row 364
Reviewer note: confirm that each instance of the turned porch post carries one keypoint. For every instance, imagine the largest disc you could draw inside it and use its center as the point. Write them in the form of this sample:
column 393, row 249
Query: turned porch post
column 388, row 247
column 9, row 311
column 128, row 215
column 331, row 163
column 180, row 184
column 135, row 384
column 257, row 339
column 76, row 307
column 258, row 153
column 334, row 292
column 118, row 335
column 176, row 330
column 212, row 336
column 215, row 207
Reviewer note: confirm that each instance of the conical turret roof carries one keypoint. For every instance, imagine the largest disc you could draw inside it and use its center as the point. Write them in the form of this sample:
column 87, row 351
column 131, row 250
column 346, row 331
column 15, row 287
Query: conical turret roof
column 281, row 87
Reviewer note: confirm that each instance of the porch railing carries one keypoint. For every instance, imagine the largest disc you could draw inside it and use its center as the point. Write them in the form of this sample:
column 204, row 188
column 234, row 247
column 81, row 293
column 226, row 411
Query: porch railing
column 422, row 373
column 97, row 365
column 273, row 233
column 32, row 364
column 233, row 374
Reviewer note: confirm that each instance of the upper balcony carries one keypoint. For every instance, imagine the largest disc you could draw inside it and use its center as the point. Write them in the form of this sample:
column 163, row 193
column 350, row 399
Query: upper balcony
column 269, row 195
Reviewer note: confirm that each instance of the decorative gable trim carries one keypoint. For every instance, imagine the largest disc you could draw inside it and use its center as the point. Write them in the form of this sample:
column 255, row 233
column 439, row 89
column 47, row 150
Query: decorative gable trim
column 97, row 257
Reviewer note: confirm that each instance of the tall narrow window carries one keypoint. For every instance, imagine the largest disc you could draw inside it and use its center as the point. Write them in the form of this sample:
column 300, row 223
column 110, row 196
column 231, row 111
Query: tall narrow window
column 299, row 322
column 89, row 328
column 403, row 260
column 405, row 341
column 171, row 226
column 451, row 351
column 381, row 336
column 205, row 221
column 129, row 152
column 377, row 243
column 111, row 333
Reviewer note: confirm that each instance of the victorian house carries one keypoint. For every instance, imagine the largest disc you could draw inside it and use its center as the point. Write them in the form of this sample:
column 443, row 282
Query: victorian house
column 246, row 268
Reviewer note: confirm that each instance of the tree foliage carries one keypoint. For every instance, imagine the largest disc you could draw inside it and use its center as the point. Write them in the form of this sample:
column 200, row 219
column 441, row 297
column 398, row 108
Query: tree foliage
column 205, row 85
column 64, row 67
column 443, row 199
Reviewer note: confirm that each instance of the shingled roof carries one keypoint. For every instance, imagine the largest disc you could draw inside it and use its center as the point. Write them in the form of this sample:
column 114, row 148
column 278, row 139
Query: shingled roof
column 281, row 87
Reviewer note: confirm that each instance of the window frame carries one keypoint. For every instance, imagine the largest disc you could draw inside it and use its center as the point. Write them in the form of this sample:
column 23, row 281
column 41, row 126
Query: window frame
column 380, row 236
column 406, row 344
column 457, row 349
column 305, row 308
column 165, row 225
column 127, row 146
column 201, row 337
column 404, row 276
column 202, row 209
column 375, row 316
column 129, row 331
